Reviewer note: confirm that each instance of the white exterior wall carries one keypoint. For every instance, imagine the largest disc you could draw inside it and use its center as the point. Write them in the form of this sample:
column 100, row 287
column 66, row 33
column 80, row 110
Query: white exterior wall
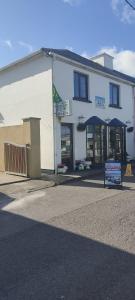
column 26, row 91
column 63, row 77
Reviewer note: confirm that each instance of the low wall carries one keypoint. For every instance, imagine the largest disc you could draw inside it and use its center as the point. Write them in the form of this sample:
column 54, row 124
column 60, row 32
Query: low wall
column 27, row 133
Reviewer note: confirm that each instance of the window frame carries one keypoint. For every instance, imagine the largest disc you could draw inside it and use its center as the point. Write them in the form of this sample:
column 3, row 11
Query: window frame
column 86, row 76
column 111, row 86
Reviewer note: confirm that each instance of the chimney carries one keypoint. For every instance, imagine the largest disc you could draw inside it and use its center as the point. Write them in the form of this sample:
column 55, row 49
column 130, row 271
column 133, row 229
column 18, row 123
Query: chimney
column 104, row 59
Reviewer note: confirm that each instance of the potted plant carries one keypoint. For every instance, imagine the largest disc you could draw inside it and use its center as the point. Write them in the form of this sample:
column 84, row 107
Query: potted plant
column 80, row 165
column 88, row 163
column 62, row 169
column 81, row 127
column 77, row 163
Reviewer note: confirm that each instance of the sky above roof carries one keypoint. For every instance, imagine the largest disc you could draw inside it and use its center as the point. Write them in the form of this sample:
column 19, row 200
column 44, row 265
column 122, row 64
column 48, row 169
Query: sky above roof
column 87, row 27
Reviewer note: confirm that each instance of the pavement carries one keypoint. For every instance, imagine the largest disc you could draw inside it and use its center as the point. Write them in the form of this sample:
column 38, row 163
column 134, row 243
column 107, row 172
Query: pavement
column 56, row 179
column 9, row 179
column 74, row 241
column 22, row 190
column 71, row 176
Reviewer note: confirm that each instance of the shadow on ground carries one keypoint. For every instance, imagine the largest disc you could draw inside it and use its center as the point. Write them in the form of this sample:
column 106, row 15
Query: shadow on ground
column 42, row 262
column 98, row 182
column 5, row 199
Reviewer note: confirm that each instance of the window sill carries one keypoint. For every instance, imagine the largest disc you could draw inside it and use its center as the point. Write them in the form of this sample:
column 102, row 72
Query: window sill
column 114, row 106
column 82, row 100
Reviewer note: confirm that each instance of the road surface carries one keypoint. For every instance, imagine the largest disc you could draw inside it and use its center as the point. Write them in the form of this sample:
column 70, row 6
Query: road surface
column 72, row 242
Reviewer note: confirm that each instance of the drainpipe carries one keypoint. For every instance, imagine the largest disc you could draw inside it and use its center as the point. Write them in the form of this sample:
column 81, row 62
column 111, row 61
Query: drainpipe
column 53, row 114
column 54, row 127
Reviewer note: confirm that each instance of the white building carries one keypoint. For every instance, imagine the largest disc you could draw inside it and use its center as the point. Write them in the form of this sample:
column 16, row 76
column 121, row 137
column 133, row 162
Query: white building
column 89, row 95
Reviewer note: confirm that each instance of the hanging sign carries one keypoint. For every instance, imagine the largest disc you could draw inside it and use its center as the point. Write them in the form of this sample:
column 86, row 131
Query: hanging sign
column 113, row 174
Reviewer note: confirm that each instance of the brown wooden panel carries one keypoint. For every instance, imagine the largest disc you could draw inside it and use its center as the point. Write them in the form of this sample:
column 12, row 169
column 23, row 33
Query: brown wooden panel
column 15, row 159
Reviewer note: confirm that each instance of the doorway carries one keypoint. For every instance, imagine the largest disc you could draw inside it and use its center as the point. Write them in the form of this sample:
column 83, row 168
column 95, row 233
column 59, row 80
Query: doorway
column 67, row 145
column 96, row 143
column 117, row 147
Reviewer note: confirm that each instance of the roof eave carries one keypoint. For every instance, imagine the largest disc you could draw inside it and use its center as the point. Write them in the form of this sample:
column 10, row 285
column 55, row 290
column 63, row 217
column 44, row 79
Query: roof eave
column 25, row 58
column 90, row 68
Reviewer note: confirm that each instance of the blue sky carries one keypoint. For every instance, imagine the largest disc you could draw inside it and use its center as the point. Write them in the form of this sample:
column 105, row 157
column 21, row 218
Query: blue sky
column 84, row 26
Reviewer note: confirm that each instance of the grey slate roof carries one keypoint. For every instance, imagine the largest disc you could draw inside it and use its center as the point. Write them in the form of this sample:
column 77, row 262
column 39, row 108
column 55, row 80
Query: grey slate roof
column 89, row 63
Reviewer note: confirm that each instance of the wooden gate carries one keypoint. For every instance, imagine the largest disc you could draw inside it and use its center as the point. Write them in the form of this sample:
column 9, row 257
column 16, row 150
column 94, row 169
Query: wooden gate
column 15, row 159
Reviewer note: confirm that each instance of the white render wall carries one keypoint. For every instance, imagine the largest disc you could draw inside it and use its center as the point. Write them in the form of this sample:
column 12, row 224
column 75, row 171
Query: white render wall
column 63, row 77
column 26, row 91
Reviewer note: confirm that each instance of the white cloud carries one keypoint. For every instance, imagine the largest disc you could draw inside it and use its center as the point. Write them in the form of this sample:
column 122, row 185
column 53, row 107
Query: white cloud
column 29, row 47
column 72, row 2
column 124, row 60
column 6, row 43
column 123, row 11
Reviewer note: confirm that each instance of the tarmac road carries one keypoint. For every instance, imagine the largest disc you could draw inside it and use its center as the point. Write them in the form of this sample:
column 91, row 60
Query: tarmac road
column 72, row 242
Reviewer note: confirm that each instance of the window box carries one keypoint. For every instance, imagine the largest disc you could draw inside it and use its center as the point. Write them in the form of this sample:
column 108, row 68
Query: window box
column 81, row 127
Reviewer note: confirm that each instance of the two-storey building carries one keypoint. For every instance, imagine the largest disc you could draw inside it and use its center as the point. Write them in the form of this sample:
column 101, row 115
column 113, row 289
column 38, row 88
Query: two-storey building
column 86, row 107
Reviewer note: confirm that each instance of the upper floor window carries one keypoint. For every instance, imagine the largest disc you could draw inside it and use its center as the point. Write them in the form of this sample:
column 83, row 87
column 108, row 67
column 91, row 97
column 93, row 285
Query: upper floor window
column 80, row 86
column 114, row 95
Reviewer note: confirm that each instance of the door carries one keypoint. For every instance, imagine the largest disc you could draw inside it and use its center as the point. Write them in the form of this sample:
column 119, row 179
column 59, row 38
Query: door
column 116, row 143
column 96, row 143
column 67, row 145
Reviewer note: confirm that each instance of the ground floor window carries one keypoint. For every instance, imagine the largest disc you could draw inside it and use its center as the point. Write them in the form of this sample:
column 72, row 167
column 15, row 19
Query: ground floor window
column 117, row 147
column 104, row 142
column 67, row 145
column 96, row 143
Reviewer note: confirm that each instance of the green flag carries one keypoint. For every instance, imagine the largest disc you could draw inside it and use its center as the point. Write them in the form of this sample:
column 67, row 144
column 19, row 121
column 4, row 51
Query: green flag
column 56, row 96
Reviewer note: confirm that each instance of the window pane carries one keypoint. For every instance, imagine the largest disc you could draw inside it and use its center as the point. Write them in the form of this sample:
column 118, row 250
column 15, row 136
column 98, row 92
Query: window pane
column 114, row 94
column 90, row 148
column 90, row 129
column 111, row 94
column 80, row 85
column 76, row 85
column 83, row 86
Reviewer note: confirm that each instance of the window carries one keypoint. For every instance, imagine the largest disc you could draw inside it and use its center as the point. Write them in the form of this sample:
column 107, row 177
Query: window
column 80, row 86
column 114, row 95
